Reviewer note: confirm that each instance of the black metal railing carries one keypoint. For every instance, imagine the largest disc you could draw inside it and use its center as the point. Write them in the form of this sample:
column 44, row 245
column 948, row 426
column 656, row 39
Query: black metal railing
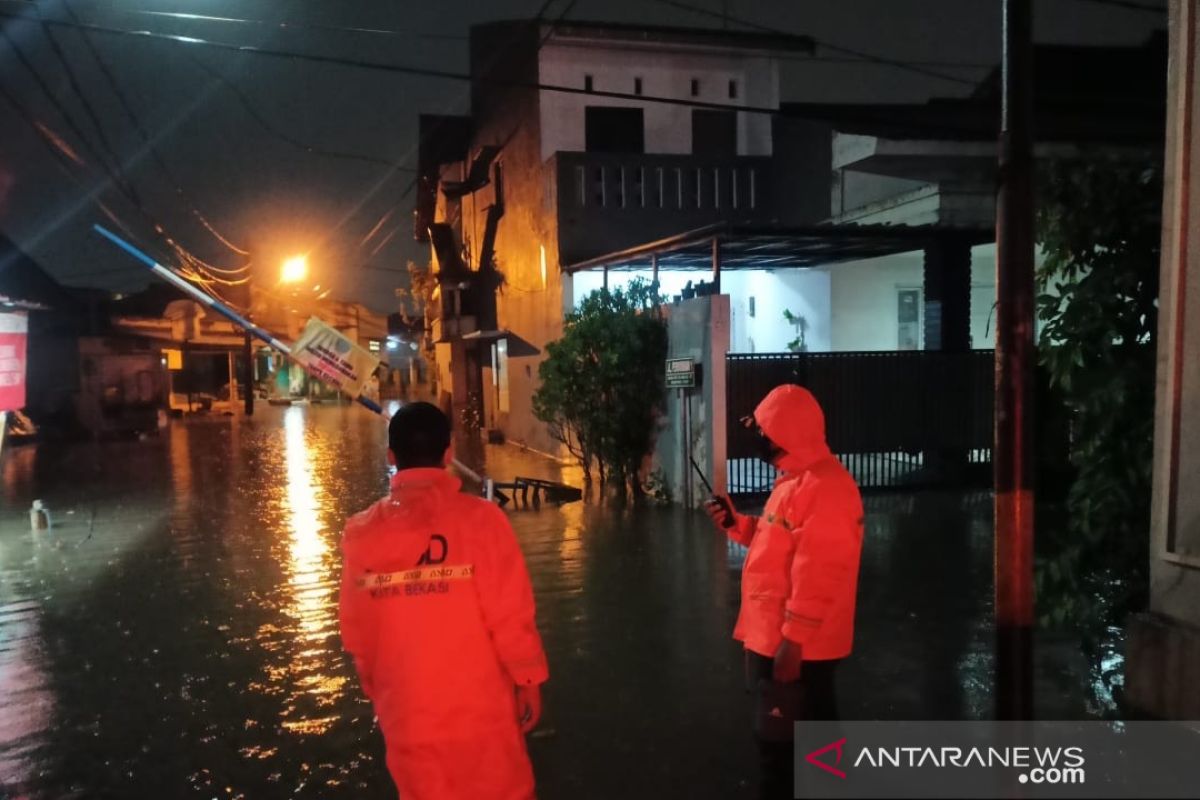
column 895, row 419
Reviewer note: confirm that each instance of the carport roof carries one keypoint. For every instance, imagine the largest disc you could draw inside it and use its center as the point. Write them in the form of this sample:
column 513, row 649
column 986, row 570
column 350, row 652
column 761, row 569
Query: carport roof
column 778, row 247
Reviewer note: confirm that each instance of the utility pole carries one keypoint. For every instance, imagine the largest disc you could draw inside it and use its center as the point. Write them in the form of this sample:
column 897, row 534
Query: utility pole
column 1012, row 455
column 248, row 366
column 248, row 349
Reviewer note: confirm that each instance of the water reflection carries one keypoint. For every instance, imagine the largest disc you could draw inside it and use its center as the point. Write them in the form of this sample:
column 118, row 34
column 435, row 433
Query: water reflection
column 28, row 707
column 199, row 623
column 308, row 551
column 310, row 595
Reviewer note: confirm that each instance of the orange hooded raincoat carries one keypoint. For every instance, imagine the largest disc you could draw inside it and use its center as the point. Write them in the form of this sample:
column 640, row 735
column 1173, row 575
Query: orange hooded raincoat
column 437, row 610
column 800, row 578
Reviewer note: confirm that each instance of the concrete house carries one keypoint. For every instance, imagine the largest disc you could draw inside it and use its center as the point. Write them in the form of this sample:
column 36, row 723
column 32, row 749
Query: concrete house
column 538, row 178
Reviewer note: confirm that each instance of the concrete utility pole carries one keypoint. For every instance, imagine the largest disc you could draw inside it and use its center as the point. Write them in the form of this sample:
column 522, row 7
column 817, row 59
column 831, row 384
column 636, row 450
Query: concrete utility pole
column 1012, row 456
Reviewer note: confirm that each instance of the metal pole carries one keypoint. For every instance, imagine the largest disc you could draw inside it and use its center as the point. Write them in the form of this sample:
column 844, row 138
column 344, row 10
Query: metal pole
column 1015, row 353
column 686, row 400
column 716, row 264
column 248, row 358
column 684, row 473
column 233, row 387
column 654, row 267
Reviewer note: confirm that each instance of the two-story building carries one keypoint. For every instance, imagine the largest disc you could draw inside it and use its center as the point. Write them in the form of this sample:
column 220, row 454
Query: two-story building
column 584, row 138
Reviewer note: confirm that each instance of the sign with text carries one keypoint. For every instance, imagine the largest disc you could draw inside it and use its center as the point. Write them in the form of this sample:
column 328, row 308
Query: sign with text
column 330, row 356
column 681, row 373
column 1033, row 760
column 13, row 333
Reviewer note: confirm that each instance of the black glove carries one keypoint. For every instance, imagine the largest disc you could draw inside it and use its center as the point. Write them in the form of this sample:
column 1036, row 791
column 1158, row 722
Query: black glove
column 720, row 509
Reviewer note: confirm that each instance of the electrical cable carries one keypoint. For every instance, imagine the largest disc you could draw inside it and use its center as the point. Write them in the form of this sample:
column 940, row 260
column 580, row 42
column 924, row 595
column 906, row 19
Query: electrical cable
column 155, row 155
column 864, row 56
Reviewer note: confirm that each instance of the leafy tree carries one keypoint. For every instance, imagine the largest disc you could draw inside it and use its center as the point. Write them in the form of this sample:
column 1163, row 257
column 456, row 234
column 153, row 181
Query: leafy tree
column 602, row 383
column 422, row 283
column 1099, row 225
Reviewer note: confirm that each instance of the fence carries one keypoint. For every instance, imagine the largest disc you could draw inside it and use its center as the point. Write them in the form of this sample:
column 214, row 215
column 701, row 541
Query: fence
column 895, row 419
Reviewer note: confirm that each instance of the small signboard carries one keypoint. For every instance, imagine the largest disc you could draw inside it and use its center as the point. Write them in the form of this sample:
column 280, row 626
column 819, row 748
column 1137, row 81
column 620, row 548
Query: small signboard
column 681, row 373
column 13, row 327
column 329, row 355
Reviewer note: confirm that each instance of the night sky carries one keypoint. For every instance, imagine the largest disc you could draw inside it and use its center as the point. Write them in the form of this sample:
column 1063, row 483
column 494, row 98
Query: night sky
column 264, row 191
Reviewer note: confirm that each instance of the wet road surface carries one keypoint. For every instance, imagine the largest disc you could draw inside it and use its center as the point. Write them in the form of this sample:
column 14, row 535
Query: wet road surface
column 175, row 634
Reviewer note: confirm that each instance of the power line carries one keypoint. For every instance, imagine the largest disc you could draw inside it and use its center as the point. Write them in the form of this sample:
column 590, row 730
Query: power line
column 190, row 263
column 46, row 136
column 403, row 69
column 88, row 110
column 247, row 104
column 67, row 117
column 1129, row 5
column 157, row 157
column 289, row 26
column 535, row 21
column 864, row 56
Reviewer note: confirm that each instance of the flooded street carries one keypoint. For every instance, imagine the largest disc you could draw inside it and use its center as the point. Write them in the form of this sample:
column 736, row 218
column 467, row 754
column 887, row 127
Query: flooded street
column 175, row 634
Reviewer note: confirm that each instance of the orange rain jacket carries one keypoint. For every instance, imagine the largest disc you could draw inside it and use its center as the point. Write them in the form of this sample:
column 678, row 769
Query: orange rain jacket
column 801, row 572
column 437, row 609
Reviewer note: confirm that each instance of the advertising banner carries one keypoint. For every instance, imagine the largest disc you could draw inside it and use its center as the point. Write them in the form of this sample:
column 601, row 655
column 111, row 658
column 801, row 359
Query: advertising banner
column 330, row 356
column 13, row 328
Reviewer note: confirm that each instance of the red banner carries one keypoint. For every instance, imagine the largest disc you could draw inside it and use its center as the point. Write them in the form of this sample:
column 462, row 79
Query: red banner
column 13, row 329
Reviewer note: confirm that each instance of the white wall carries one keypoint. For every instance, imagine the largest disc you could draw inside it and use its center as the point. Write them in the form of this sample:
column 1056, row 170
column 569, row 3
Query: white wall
column 804, row 292
column 664, row 74
column 865, row 299
column 983, row 296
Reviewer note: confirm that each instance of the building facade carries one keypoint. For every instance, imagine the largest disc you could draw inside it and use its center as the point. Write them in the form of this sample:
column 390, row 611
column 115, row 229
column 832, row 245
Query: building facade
column 1164, row 644
column 588, row 154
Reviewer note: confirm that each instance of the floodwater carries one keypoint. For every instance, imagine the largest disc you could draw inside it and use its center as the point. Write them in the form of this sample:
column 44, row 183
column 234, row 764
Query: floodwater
column 175, row 633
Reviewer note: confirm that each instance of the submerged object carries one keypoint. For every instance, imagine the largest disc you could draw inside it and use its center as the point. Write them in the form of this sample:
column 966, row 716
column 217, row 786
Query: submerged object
column 39, row 516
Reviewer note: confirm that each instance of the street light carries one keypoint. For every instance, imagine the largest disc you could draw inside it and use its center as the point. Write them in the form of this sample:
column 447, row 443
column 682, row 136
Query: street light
column 295, row 269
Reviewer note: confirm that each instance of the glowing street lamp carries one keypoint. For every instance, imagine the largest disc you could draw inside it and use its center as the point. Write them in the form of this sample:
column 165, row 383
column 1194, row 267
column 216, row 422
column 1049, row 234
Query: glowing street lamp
column 295, row 269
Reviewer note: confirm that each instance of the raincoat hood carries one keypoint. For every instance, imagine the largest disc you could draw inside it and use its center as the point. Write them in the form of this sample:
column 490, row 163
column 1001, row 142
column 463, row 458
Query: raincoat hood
column 792, row 418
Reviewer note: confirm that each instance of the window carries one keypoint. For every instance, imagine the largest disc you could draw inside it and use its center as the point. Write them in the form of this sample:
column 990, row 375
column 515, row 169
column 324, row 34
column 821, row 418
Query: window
column 637, row 85
column 695, row 87
column 733, row 90
column 614, row 129
column 714, row 133
column 587, row 83
column 500, row 376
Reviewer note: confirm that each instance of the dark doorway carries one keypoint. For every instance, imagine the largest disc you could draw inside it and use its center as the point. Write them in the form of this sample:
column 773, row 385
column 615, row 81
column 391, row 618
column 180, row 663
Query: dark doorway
column 714, row 133
column 609, row 129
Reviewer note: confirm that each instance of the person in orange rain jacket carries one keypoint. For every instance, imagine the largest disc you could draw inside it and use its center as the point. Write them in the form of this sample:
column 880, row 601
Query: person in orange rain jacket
column 437, row 609
column 800, row 577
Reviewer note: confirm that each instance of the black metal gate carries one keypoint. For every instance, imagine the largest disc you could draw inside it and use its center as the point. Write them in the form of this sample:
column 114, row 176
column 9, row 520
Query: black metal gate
column 895, row 419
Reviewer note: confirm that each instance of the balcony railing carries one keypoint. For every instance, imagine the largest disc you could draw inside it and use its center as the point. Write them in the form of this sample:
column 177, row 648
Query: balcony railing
column 610, row 201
